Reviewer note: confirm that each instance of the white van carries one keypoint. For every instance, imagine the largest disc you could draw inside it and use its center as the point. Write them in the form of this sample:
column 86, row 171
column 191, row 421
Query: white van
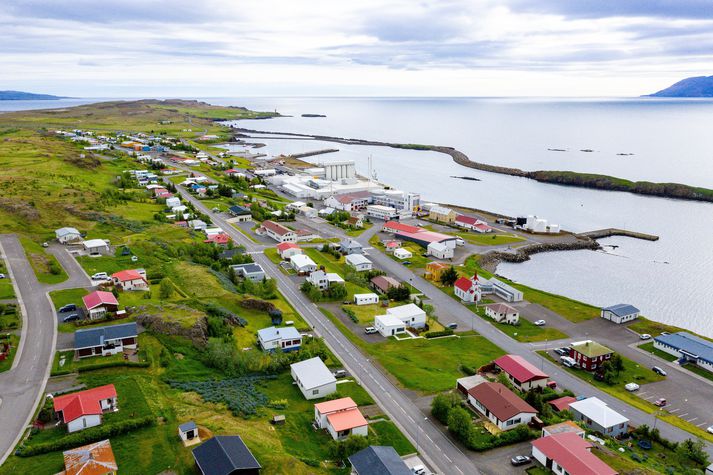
column 100, row 276
column 460, row 241
column 568, row 362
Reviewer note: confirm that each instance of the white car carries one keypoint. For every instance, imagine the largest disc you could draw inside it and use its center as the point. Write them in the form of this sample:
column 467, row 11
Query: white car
column 645, row 336
column 710, row 429
column 631, row 387
column 100, row 276
column 539, row 323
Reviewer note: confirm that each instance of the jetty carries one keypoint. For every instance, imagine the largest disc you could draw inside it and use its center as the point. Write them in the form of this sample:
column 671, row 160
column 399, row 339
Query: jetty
column 609, row 232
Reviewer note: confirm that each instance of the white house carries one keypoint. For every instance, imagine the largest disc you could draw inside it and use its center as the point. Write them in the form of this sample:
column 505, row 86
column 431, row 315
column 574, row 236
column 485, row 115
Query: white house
column 440, row 250
column 84, row 409
column 506, row 292
column 402, row 253
column 285, row 338
column 278, row 232
column 599, row 417
column 366, row 299
column 313, row 378
column 358, row 262
column 173, row 202
column 319, row 279
column 567, row 453
column 389, row 325
column 65, row 235
column 500, row 406
column 341, row 418
column 302, row 264
column 197, row 224
column 96, row 246
column 502, row 313
column 467, row 289
column 132, row 279
column 410, row 314
column 288, row 249
column 620, row 313
column 384, row 213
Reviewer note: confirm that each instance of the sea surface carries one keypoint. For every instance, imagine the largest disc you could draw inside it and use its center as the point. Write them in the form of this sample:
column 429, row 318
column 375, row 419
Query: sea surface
column 670, row 280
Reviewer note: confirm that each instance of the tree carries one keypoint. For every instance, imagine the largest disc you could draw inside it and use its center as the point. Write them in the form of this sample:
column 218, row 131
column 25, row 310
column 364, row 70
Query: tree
column 166, row 289
column 442, row 405
column 534, row 398
column 337, row 291
column 449, row 276
column 459, row 422
column 399, row 293
column 693, row 450
column 342, row 449
column 617, row 362
column 429, row 309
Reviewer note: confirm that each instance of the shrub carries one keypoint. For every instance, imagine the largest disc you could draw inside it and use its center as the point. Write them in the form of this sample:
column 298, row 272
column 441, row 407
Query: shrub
column 442, row 405
column 445, row 332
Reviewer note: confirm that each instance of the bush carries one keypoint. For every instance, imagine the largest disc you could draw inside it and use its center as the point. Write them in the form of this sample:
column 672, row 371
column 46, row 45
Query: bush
column 342, row 449
column 445, row 332
column 460, row 423
column 442, row 405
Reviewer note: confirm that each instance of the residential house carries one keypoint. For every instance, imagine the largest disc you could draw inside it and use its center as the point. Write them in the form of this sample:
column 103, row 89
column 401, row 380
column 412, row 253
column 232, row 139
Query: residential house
column 334, row 278
column 308, row 211
column 382, row 283
column 589, row 354
column 91, row 459
column 225, row 455
column 313, row 378
column 505, row 291
column 411, row 314
column 620, row 313
column 350, row 246
column 278, row 232
column 521, row 373
column 99, row 303
column 197, row 224
column 467, row 289
column 440, row 250
column 302, row 264
column 285, row 338
column 96, row 247
column 434, row 270
column 356, row 222
column 67, row 235
column 465, row 383
column 288, row 249
column 472, row 224
column 173, row 202
column 230, row 253
column 442, row 214
column 562, row 427
column 384, row 213
column 562, row 403
column 500, row 406
column 389, row 325
column 341, row 418
column 84, row 409
column 250, row 271
column 355, row 201
column 128, row 280
column 401, row 253
column 378, row 460
column 366, row 299
column 502, row 313
column 319, row 279
column 687, row 348
column 324, row 212
column 599, row 417
column 105, row 341
column 569, row 454
column 305, row 235
column 358, row 262
column 219, row 239
column 240, row 214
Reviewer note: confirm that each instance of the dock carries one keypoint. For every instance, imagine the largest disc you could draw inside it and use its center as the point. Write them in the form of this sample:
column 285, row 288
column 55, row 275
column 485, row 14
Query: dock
column 609, row 232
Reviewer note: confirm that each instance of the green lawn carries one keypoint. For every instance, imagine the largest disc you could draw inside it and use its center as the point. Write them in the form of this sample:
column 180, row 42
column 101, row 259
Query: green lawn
column 426, row 365
column 64, row 297
column 272, row 254
column 644, row 325
column 417, row 260
column 10, row 318
column 389, row 434
column 366, row 313
column 489, row 239
column 649, row 348
column 525, row 331
column 351, row 388
column 45, row 265
column 337, row 266
column 6, row 289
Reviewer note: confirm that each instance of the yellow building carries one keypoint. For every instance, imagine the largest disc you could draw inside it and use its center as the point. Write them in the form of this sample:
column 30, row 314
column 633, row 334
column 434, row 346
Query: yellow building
column 442, row 215
column 434, row 270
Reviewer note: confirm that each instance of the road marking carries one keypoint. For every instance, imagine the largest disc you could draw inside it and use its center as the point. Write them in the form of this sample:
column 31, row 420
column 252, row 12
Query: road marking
column 691, row 420
column 674, row 410
column 681, row 415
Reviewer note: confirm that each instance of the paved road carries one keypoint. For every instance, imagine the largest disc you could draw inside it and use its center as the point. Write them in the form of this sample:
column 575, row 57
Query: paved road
column 438, row 450
column 77, row 277
column 22, row 386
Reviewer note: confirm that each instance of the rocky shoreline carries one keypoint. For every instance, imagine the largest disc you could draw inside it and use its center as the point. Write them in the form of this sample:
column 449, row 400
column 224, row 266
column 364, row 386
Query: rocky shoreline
column 491, row 259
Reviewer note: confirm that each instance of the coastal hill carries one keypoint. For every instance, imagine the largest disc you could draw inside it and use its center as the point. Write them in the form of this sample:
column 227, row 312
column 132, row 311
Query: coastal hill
column 26, row 96
column 701, row 86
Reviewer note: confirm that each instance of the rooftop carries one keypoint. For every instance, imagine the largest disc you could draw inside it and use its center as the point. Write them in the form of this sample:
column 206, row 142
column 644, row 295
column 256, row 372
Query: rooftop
column 597, row 410
column 334, row 405
column 249, row 268
column 501, row 308
column 591, row 349
column 282, row 333
column 313, row 373
column 283, row 246
column 691, row 344
column 402, row 227
column 562, row 427
column 622, row 309
column 385, row 282
column 127, row 275
column 301, row 260
column 92, row 459
column 379, row 460
column 96, row 336
column 356, row 259
column 572, row 453
column 223, row 454
column 519, row 368
column 83, row 403
column 408, row 310
column 345, row 420
column 562, row 403
column 276, row 228
column 499, row 400
column 464, row 283
column 98, row 298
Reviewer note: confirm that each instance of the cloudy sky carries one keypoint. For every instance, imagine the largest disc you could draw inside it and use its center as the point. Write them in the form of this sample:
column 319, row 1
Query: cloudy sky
column 212, row 48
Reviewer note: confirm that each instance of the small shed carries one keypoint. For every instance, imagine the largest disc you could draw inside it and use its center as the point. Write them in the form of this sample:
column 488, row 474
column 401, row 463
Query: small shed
column 278, row 419
column 188, row 432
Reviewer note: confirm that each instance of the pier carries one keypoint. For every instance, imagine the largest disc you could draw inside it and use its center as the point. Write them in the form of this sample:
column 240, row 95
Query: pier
column 609, row 232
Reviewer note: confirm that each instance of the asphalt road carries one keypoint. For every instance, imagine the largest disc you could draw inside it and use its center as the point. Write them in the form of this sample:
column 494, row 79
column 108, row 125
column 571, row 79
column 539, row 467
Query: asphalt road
column 436, row 449
column 23, row 385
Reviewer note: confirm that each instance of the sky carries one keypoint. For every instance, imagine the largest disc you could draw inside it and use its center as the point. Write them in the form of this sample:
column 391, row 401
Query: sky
column 224, row 48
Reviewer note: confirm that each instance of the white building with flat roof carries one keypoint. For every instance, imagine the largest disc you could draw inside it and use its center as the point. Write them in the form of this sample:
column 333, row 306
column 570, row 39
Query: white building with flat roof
column 313, row 378
column 410, row 314
column 505, row 291
column 389, row 325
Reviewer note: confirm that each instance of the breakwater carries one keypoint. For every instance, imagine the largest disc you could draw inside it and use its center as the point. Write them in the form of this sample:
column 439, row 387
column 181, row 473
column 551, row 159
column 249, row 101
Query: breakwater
column 491, row 259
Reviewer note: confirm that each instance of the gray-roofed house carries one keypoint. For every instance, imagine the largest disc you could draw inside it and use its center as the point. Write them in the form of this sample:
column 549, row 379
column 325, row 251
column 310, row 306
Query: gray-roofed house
column 65, row 235
column 313, row 378
column 225, row 455
column 620, row 313
column 378, row 460
column 188, row 432
column 105, row 341
column 350, row 246
column 251, row 271
column 688, row 348
column 285, row 338
column 230, row 253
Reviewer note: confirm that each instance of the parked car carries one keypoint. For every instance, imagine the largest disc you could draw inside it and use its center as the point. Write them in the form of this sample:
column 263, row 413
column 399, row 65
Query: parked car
column 631, row 387
column 406, row 263
column 460, row 241
column 660, row 402
column 552, row 384
column 568, row 362
column 658, row 370
column 452, row 326
column 520, row 460
column 100, row 276
column 539, row 323
column 70, row 307
column 418, row 470
column 340, row 373
column 71, row 318
column 645, row 336
column 370, row 330
column 2, row 276
column 710, row 429
column 562, row 351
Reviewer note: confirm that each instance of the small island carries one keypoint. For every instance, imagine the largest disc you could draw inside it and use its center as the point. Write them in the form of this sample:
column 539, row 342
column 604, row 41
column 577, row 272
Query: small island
column 313, row 115
column 27, row 96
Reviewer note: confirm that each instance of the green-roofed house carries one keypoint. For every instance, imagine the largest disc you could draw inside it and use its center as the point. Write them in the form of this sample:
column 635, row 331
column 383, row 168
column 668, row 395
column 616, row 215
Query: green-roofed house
column 589, row 354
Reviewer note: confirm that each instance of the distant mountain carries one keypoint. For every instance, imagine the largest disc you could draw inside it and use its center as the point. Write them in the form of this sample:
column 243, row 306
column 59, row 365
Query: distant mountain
column 26, row 96
column 700, row 86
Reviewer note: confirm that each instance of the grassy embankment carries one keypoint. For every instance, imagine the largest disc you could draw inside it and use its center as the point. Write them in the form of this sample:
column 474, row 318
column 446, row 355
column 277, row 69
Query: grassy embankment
column 481, row 239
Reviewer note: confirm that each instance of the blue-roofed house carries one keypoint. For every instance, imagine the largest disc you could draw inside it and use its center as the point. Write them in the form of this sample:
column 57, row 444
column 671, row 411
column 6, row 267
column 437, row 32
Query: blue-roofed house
column 688, row 348
column 284, row 338
column 620, row 313
column 378, row 460
column 225, row 455
column 105, row 341
column 240, row 213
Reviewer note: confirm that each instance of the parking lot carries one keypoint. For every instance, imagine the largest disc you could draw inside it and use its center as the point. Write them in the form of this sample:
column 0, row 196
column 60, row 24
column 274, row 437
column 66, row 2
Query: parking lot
column 685, row 402
column 62, row 315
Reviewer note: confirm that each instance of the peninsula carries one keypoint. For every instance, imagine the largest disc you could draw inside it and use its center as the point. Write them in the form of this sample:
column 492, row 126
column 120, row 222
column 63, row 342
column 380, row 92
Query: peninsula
column 27, row 96
column 700, row 86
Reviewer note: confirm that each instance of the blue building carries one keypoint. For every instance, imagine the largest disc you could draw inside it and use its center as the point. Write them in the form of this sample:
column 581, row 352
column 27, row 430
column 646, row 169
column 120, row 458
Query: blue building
column 687, row 348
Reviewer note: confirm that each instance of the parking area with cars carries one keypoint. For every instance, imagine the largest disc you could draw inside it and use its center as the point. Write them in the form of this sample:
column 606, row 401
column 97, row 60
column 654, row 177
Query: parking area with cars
column 684, row 402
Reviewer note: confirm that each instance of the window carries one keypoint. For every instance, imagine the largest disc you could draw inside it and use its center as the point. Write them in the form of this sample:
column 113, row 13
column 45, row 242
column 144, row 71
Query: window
column 315, row 391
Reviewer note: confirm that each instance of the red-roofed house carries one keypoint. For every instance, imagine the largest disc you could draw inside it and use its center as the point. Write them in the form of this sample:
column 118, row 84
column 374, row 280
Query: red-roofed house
column 221, row 239
column 355, row 201
column 467, row 289
column 567, row 453
column 501, row 406
column 562, row 403
column 277, row 231
column 474, row 224
column 84, row 409
column 521, row 373
column 395, row 226
column 99, row 303
column 133, row 279
column 341, row 418
column 92, row 459
column 288, row 249
column 482, row 228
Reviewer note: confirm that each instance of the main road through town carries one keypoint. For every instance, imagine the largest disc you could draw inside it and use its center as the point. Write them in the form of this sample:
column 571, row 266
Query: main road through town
column 434, row 446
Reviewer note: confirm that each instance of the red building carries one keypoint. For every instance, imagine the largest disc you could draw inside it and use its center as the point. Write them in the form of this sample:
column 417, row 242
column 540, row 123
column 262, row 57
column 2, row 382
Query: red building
column 589, row 354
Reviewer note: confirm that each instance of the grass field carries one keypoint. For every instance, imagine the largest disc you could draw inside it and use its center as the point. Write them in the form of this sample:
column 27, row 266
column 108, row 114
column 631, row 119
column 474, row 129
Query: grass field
column 337, row 266
column 649, row 347
column 644, row 325
column 525, row 331
column 46, row 267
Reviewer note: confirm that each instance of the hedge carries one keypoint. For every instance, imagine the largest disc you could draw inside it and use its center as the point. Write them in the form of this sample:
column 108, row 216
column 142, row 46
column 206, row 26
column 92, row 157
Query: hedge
column 108, row 364
column 445, row 332
column 86, row 436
